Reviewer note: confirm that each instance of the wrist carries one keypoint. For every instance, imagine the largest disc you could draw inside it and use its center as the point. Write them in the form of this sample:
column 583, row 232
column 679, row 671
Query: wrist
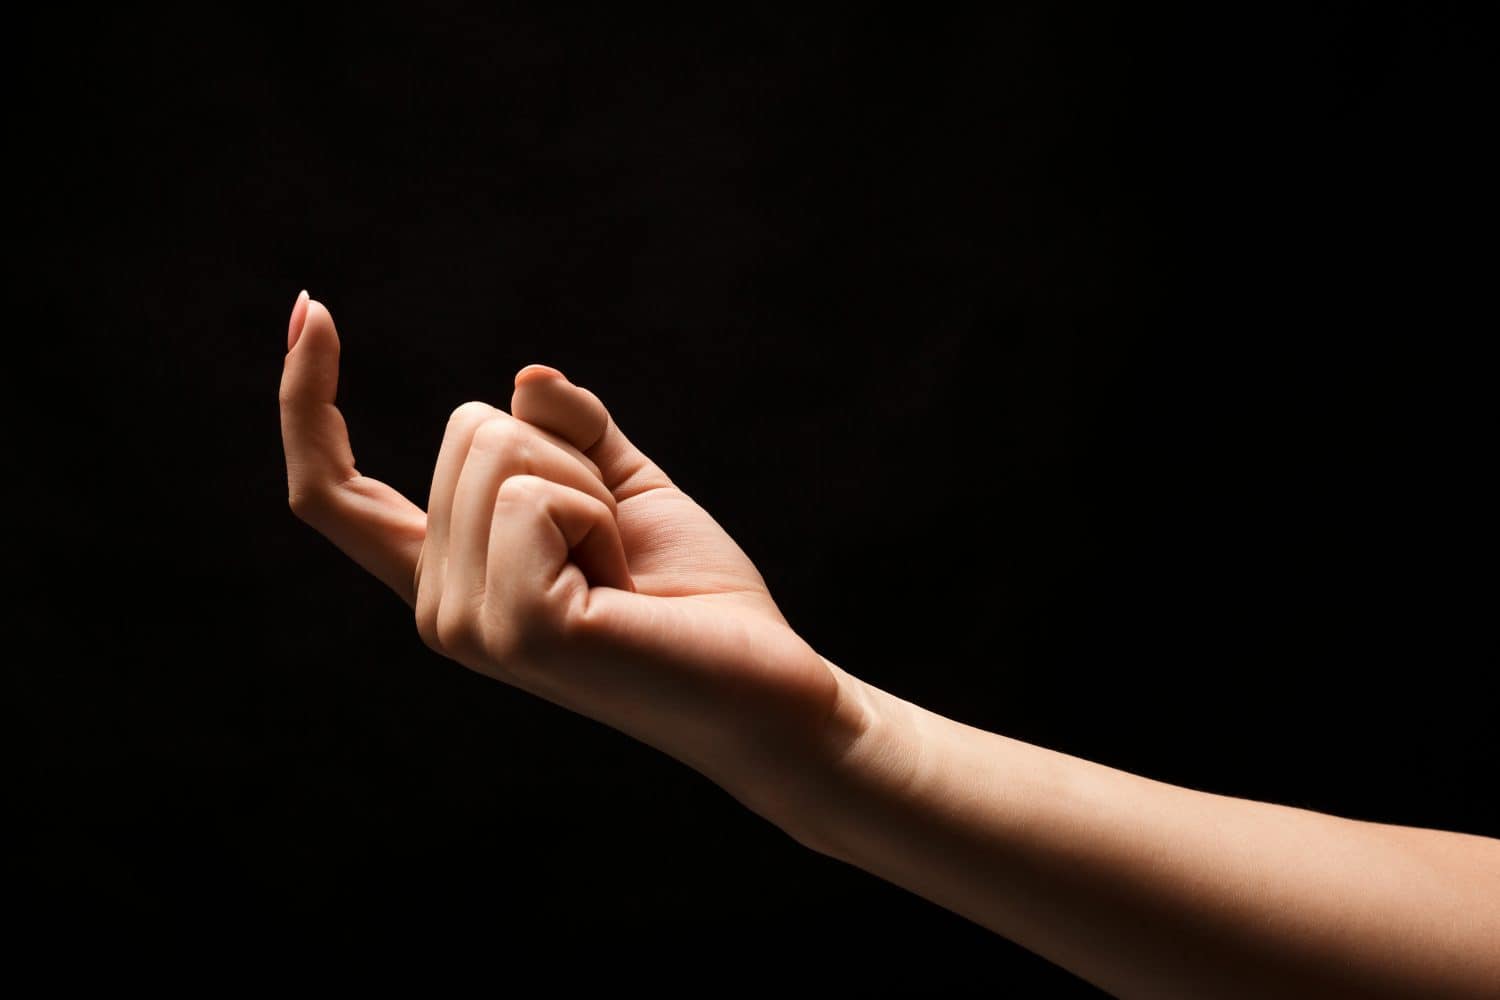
column 869, row 760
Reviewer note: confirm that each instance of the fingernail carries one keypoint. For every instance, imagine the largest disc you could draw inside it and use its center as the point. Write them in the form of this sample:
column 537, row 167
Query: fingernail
column 538, row 371
column 299, row 317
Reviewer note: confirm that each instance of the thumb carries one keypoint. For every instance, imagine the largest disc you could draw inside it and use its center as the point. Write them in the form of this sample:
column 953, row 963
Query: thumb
column 546, row 399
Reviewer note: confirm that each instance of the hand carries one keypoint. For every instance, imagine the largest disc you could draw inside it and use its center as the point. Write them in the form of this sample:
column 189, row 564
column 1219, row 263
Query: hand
column 555, row 556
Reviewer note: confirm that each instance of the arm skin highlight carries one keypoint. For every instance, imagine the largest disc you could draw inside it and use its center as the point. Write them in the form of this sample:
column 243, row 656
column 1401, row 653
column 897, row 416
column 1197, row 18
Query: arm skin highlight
column 1148, row 889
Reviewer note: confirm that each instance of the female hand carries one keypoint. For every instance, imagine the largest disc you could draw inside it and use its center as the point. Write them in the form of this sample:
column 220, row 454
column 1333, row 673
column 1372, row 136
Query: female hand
column 555, row 556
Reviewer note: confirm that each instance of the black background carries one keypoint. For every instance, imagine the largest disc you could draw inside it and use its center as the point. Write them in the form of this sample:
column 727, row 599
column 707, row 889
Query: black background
column 1101, row 379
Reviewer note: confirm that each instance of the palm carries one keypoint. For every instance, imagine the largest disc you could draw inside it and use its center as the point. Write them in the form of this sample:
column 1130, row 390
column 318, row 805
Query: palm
column 697, row 660
column 718, row 659
column 676, row 549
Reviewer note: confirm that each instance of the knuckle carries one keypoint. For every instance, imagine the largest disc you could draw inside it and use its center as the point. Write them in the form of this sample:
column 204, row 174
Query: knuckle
column 503, row 646
column 304, row 503
column 523, row 489
column 454, row 627
column 427, row 630
column 520, row 639
column 499, row 435
column 426, row 618
column 470, row 413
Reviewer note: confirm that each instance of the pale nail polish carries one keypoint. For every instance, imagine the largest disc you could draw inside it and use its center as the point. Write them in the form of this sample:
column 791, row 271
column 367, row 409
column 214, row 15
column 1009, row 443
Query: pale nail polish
column 537, row 371
column 299, row 318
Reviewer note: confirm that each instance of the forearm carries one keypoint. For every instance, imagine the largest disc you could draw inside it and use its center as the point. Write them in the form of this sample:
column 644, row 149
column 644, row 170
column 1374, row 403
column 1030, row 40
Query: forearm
column 1148, row 889
column 555, row 556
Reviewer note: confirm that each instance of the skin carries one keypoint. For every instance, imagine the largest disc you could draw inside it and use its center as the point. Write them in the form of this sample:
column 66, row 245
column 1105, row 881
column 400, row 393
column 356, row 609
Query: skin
column 554, row 556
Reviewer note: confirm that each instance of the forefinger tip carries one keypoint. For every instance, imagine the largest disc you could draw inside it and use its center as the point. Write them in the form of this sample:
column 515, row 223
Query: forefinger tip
column 298, row 320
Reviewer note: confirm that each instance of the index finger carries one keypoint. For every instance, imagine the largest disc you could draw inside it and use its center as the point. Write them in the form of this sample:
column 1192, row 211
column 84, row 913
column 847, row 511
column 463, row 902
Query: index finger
column 373, row 524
